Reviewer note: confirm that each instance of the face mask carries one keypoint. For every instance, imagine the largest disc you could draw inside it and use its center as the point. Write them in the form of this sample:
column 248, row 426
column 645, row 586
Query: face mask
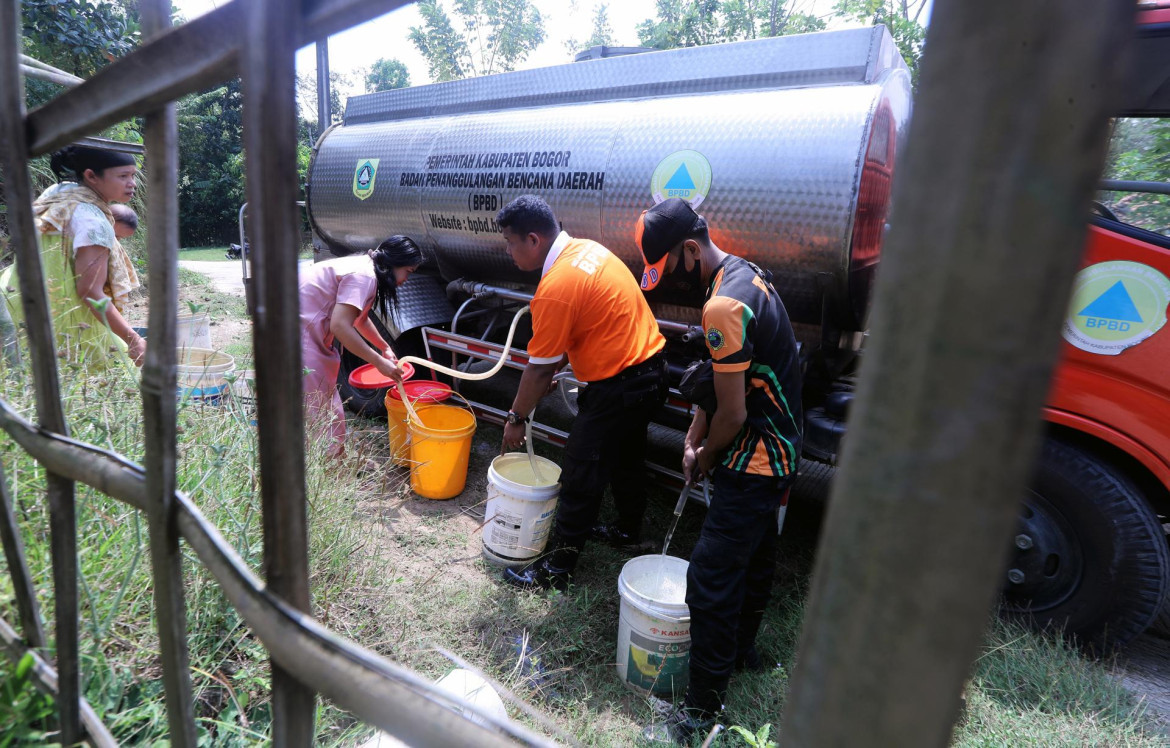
column 688, row 283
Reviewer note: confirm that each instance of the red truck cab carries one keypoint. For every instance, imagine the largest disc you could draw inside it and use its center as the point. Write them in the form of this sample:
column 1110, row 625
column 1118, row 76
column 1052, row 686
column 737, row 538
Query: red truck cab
column 1091, row 555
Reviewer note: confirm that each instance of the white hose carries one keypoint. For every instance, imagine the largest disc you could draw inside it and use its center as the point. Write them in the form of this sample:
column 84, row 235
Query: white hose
column 474, row 377
column 455, row 373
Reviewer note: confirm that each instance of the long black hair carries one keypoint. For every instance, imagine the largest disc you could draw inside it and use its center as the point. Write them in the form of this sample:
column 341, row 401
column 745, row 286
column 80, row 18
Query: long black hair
column 396, row 252
column 70, row 163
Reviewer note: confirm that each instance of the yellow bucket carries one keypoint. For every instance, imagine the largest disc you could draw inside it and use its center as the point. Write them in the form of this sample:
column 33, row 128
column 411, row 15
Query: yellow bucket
column 440, row 446
column 421, row 392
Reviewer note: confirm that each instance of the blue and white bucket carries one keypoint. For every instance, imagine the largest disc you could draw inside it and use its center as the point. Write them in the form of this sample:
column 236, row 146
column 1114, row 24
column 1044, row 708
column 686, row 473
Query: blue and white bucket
column 203, row 374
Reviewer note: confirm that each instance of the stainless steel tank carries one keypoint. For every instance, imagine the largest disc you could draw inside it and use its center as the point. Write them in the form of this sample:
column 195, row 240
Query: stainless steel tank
column 787, row 147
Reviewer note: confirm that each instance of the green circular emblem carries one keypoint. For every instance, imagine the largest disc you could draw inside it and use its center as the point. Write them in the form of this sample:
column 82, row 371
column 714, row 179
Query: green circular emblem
column 365, row 175
column 714, row 339
column 684, row 174
column 1116, row 305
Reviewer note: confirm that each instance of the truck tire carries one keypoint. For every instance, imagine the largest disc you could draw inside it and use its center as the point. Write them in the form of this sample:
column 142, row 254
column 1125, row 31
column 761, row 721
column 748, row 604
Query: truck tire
column 1090, row 558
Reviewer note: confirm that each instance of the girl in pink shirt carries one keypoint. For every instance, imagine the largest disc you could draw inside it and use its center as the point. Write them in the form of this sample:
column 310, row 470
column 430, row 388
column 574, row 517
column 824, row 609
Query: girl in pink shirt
column 336, row 299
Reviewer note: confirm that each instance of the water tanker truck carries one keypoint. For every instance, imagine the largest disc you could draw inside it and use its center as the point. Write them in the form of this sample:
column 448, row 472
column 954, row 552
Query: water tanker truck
column 788, row 146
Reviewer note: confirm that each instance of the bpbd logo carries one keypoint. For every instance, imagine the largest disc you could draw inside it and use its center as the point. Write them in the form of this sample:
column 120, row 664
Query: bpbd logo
column 682, row 174
column 1113, row 310
column 1116, row 305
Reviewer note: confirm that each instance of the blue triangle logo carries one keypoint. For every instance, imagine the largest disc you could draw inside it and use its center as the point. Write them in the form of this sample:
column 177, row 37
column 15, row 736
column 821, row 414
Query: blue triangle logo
column 1113, row 304
column 681, row 180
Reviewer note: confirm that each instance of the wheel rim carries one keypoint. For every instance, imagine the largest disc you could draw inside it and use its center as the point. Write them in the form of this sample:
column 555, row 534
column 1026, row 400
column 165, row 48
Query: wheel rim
column 1047, row 564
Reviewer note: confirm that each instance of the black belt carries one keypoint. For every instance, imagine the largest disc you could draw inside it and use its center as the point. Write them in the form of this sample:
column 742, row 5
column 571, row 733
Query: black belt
column 651, row 364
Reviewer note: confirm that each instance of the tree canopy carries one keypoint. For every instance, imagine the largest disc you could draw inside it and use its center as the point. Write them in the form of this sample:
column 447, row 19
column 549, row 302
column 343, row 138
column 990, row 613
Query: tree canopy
column 385, row 75
column 488, row 36
column 602, row 32
column 900, row 17
column 693, row 23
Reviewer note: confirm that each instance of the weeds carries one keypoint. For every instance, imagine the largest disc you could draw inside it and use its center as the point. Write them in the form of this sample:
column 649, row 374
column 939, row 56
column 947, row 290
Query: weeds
column 404, row 577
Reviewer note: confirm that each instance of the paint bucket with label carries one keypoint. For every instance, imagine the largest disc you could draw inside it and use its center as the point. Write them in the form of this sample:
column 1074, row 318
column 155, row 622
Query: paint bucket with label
column 654, row 625
column 520, row 508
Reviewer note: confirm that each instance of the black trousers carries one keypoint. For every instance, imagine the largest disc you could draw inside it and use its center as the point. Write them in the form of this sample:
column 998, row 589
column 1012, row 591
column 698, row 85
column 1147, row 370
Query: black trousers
column 729, row 581
column 607, row 446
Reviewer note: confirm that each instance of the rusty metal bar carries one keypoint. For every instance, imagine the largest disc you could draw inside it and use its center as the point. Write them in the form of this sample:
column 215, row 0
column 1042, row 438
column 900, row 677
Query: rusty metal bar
column 378, row 691
column 158, row 401
column 45, row 679
column 22, row 586
column 50, row 412
column 268, row 73
column 1006, row 147
column 183, row 60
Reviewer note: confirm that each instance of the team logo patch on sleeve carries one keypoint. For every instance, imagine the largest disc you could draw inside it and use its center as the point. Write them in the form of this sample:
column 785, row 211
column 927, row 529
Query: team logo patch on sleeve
column 714, row 339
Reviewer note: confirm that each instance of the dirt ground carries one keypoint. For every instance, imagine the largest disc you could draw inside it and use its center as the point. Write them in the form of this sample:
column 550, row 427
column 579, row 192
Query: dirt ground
column 1143, row 668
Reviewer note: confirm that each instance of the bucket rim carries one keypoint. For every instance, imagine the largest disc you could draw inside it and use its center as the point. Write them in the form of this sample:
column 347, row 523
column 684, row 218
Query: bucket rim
column 414, row 422
column 225, row 360
column 430, row 392
column 647, row 604
column 517, row 456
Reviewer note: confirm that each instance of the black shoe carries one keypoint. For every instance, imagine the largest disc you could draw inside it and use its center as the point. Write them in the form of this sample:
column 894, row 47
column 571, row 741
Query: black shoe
column 750, row 661
column 539, row 575
column 678, row 728
column 614, row 537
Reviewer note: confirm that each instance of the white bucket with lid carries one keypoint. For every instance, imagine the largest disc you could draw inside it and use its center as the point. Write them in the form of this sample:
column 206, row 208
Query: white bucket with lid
column 654, row 626
column 193, row 331
column 519, row 515
column 202, row 374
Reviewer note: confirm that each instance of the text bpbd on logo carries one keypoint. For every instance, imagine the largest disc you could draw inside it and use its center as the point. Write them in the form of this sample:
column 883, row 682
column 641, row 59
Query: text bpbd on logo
column 1107, row 324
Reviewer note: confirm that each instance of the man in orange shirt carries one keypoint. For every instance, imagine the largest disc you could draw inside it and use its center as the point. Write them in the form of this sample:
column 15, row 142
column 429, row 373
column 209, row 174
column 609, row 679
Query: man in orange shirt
column 587, row 311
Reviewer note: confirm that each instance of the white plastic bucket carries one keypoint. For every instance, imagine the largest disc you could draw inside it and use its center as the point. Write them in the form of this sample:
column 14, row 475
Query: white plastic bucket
column 202, row 373
column 518, row 517
column 193, row 331
column 476, row 691
column 654, row 626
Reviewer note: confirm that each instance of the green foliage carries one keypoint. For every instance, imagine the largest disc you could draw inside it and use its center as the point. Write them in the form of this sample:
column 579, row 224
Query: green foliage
column 757, row 739
column 901, row 18
column 77, row 36
column 211, row 165
column 602, row 33
column 693, row 23
column 339, row 83
column 26, row 714
column 385, row 75
column 1140, row 151
column 493, row 36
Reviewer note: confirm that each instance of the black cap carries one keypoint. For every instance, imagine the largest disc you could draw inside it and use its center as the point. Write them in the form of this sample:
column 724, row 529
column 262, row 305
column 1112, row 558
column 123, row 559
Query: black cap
column 661, row 229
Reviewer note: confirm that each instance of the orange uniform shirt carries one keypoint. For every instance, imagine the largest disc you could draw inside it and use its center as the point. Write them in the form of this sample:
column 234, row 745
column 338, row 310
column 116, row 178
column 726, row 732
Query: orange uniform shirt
column 589, row 306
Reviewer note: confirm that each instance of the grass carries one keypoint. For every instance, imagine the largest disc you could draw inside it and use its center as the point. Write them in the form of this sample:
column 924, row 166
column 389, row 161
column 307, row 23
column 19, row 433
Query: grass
column 404, row 577
column 219, row 254
column 205, row 254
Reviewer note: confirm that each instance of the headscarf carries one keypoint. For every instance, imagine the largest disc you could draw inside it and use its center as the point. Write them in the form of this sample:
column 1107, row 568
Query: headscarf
column 53, row 211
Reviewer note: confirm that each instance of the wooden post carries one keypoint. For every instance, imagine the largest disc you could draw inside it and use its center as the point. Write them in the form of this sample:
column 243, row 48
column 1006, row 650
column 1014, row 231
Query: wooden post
column 270, row 140
column 50, row 412
column 158, row 399
column 1006, row 145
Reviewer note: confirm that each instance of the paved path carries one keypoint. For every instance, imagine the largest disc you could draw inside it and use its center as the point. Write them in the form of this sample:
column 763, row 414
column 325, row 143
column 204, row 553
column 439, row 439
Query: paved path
column 226, row 277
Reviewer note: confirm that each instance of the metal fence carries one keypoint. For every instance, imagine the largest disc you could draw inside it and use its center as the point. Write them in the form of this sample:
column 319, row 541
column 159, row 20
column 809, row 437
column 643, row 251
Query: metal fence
column 255, row 40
